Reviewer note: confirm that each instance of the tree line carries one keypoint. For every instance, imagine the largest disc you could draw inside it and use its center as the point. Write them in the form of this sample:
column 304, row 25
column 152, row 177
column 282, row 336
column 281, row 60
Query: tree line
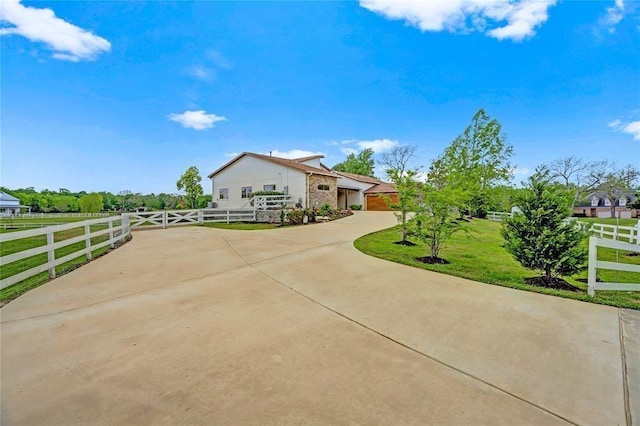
column 65, row 201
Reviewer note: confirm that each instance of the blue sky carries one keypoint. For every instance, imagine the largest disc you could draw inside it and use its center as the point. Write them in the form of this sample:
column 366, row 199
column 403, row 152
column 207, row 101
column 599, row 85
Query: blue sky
column 127, row 95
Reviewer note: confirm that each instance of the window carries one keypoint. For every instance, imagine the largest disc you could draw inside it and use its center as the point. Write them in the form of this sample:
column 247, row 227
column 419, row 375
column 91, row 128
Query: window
column 246, row 191
column 285, row 190
column 323, row 187
column 224, row 194
column 269, row 187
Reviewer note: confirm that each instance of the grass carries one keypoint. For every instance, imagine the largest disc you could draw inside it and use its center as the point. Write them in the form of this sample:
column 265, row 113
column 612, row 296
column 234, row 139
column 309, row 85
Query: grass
column 242, row 226
column 609, row 221
column 16, row 267
column 480, row 256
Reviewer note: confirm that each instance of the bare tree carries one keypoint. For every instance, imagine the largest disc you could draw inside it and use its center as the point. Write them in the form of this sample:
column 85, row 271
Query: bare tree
column 398, row 171
column 569, row 169
column 610, row 182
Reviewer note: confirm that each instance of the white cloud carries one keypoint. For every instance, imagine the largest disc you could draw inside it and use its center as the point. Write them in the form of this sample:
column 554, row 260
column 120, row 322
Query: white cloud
column 378, row 145
column 219, row 60
column 202, row 73
column 500, row 19
column 631, row 128
column 198, row 120
column 521, row 171
column 293, row 153
column 69, row 42
column 613, row 15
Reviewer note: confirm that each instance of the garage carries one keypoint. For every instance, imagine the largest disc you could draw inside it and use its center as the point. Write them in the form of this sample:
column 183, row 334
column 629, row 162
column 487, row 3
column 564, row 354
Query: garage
column 375, row 197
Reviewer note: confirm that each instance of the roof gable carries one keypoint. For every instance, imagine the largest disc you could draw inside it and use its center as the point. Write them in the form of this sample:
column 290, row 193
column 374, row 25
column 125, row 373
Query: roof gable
column 6, row 197
column 294, row 164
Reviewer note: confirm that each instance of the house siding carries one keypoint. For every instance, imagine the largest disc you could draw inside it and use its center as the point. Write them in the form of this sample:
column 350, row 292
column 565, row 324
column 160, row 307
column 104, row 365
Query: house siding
column 255, row 172
column 318, row 197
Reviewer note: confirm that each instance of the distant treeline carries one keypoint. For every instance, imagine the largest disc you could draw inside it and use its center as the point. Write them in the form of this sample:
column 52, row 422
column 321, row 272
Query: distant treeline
column 65, row 201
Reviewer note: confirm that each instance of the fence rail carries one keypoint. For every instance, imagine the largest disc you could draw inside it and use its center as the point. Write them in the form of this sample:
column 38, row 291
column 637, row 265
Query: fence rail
column 106, row 226
column 498, row 216
column 595, row 264
column 168, row 218
column 49, row 215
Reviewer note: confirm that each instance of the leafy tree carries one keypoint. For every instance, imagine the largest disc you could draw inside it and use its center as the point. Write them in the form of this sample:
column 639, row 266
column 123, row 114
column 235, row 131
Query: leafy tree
column 90, row 203
column 361, row 164
column 190, row 182
column 397, row 169
column 539, row 238
column 435, row 220
column 474, row 163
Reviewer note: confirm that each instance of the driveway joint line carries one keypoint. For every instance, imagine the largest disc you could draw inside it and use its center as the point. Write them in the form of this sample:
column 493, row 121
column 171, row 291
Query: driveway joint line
column 625, row 383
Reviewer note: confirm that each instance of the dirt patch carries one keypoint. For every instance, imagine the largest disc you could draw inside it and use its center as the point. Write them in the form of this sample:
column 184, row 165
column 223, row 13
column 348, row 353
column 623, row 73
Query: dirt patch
column 405, row 243
column 433, row 260
column 557, row 283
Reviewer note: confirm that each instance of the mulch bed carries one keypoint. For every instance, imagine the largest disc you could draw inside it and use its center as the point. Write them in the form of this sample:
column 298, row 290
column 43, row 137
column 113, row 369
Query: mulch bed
column 405, row 243
column 433, row 260
column 556, row 283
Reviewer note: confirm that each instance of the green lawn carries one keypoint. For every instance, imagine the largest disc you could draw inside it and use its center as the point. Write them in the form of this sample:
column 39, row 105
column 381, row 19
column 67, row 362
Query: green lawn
column 480, row 256
column 609, row 221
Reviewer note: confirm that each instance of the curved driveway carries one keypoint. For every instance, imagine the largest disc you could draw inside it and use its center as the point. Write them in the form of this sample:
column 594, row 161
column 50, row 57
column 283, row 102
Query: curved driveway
column 294, row 326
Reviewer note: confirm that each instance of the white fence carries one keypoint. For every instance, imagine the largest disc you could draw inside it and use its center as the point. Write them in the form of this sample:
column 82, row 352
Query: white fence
column 50, row 215
column 115, row 232
column 27, row 225
column 630, row 234
column 594, row 264
column 168, row 218
column 498, row 216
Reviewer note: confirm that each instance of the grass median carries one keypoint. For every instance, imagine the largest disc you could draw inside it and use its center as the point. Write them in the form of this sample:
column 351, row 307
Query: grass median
column 480, row 256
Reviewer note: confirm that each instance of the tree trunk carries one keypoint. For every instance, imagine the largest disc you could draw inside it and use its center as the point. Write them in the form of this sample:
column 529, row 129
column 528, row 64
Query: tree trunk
column 547, row 273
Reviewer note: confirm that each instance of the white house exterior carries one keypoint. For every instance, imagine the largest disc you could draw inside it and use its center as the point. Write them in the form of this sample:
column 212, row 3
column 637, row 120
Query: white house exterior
column 10, row 205
column 308, row 183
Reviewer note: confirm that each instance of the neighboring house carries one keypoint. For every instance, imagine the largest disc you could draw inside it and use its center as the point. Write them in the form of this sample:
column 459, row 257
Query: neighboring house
column 10, row 205
column 309, row 182
column 600, row 206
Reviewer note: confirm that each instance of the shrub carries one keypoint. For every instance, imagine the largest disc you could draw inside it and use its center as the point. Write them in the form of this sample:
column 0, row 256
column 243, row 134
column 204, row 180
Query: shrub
column 325, row 210
column 355, row 206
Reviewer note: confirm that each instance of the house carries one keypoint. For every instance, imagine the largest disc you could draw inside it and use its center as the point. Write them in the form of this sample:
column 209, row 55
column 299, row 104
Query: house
column 365, row 191
column 309, row 182
column 598, row 205
column 10, row 205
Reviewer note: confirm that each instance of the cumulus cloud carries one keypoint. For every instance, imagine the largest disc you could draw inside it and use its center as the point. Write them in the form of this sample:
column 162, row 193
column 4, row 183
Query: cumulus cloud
column 632, row 128
column 197, row 120
column 69, row 42
column 292, row 153
column 353, row 146
column 500, row 19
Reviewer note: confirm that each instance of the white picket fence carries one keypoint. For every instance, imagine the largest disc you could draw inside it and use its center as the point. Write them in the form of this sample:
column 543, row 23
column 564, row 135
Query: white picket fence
column 116, row 233
column 595, row 264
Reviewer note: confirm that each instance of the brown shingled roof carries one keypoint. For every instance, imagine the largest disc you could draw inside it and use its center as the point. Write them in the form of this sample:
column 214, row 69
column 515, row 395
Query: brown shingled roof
column 294, row 164
column 383, row 187
column 359, row 178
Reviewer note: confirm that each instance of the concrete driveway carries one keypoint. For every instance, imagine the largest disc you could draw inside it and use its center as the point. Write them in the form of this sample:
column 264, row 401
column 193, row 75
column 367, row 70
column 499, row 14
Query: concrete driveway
column 295, row 326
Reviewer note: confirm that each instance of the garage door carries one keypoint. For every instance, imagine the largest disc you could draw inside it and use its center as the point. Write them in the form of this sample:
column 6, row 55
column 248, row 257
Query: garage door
column 376, row 203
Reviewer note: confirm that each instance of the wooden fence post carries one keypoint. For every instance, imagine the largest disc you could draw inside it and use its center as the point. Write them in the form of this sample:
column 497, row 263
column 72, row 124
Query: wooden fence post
column 87, row 241
column 165, row 219
column 200, row 217
column 51, row 255
column 112, row 243
column 227, row 216
column 593, row 258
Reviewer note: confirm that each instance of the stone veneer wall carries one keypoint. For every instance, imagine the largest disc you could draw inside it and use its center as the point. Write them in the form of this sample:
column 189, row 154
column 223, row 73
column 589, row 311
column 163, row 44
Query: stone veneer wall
column 319, row 197
column 268, row 216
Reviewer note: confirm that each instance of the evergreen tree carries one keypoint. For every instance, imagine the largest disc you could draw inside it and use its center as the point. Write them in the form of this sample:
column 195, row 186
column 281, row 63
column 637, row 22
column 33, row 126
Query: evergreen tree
column 539, row 238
